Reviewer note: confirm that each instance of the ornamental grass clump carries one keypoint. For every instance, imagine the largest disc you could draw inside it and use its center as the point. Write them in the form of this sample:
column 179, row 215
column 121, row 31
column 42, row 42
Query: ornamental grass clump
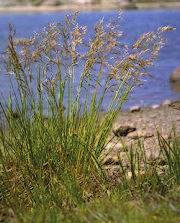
column 52, row 131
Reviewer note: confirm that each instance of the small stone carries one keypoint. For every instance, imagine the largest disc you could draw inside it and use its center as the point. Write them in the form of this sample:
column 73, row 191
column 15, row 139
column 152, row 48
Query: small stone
column 155, row 106
column 134, row 136
column 123, row 130
column 135, row 108
column 137, row 174
column 115, row 160
column 111, row 160
column 175, row 105
column 111, row 168
column 138, row 135
column 129, row 175
column 166, row 102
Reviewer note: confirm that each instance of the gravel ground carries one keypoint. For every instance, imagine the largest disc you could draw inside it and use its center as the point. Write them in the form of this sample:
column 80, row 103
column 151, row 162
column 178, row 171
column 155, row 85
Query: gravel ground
column 143, row 125
column 147, row 122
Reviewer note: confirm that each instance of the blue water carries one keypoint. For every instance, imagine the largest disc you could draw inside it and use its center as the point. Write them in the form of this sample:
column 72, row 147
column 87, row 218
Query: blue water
column 155, row 89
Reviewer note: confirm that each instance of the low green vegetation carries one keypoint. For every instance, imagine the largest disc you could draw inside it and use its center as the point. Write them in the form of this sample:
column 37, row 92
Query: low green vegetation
column 119, row 209
column 148, row 194
column 53, row 134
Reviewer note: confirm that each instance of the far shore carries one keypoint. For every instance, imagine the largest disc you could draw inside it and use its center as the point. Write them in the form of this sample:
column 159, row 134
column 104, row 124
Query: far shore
column 89, row 7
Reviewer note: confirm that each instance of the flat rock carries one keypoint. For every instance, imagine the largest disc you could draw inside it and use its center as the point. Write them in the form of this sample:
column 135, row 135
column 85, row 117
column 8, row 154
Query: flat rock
column 123, row 130
column 140, row 134
column 135, row 108
column 155, row 106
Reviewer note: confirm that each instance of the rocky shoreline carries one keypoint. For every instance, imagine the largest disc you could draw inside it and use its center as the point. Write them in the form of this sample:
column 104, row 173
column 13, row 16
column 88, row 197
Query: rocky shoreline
column 144, row 125
column 141, row 125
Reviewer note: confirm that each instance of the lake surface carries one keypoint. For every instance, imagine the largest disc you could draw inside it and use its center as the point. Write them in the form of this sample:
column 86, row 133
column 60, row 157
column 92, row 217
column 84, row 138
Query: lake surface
column 155, row 89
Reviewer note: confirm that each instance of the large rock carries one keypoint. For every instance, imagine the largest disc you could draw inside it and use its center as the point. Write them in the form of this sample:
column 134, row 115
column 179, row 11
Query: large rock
column 175, row 76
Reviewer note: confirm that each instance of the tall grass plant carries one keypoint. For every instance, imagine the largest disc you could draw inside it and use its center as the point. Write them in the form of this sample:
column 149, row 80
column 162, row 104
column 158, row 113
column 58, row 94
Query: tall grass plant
column 52, row 132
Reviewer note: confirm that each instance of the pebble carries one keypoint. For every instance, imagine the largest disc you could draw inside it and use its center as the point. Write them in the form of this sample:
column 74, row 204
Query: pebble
column 167, row 102
column 109, row 160
column 155, row 106
column 137, row 174
column 121, row 158
column 142, row 134
column 135, row 108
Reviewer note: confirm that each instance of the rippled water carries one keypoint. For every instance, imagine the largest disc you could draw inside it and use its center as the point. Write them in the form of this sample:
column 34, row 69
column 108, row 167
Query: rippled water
column 155, row 89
